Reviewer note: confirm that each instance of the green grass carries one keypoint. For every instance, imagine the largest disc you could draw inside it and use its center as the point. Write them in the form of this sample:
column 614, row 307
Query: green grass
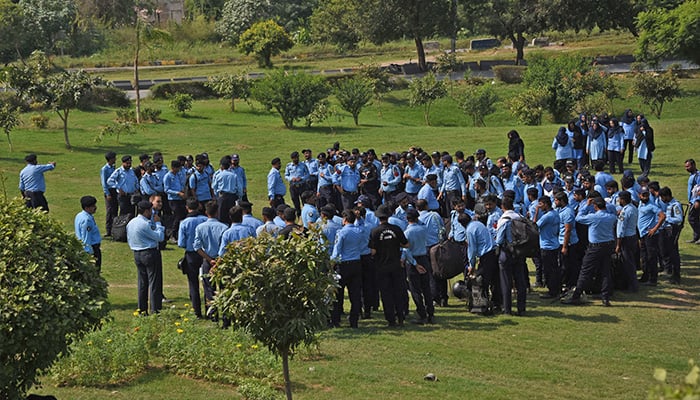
column 557, row 352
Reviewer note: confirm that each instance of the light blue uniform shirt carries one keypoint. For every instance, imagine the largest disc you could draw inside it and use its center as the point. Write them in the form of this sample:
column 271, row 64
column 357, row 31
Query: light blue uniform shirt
column 349, row 243
column 647, row 218
column 629, row 129
column 417, row 236
column 371, row 219
column 200, row 181
column 503, row 229
column 492, row 221
column 415, row 172
column 268, row 228
column 252, row 222
column 241, row 180
column 207, row 236
column 601, row 224
column 312, row 166
column 275, row 186
column 479, row 241
column 296, row 171
column 548, row 224
column 563, row 152
column 329, row 229
column 187, row 231
column 434, row 225
column 514, row 183
column 106, row 171
column 693, row 179
column 366, row 228
column 674, row 212
column 643, row 151
column 160, row 173
column 86, row 230
column 348, row 178
column 526, row 201
column 174, row 184
column 401, row 223
column 627, row 221
column 31, row 178
column 148, row 184
column 426, row 193
column 225, row 181
column 596, row 147
column 617, row 140
column 566, row 216
column 325, row 175
column 309, row 214
column 457, row 231
column 391, row 175
column 452, row 179
column 124, row 180
column 142, row 233
column 236, row 232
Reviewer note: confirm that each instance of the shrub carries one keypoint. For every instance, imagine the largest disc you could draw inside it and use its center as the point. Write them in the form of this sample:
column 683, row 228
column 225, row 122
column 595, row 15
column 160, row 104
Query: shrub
column 509, row 73
column 181, row 103
column 39, row 121
column 688, row 390
column 231, row 87
column 478, row 102
column 252, row 390
column 13, row 101
column 103, row 96
column 528, row 106
column 117, row 129
column 424, row 91
column 292, row 95
column 656, row 89
column 52, row 294
column 125, row 115
column 151, row 115
column 198, row 90
column 353, row 94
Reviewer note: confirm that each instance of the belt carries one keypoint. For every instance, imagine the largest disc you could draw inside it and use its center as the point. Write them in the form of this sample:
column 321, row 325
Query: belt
column 33, row 191
column 227, row 194
column 145, row 250
column 601, row 244
column 350, row 193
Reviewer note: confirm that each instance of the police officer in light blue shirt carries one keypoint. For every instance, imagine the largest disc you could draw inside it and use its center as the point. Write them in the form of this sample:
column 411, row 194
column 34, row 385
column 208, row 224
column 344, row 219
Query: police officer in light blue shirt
column 309, row 212
column 328, row 226
column 481, row 246
column 86, row 228
column 324, row 188
column 347, row 251
column 124, row 180
column 547, row 220
column 649, row 222
column 143, row 236
column 237, row 231
column 186, row 240
column 207, row 240
column 348, row 181
column 570, row 258
column 110, row 193
column 297, row 175
column 413, row 176
column 627, row 241
column 241, row 178
column 418, row 268
column 275, row 186
column 390, row 177
column 427, row 192
column 200, row 183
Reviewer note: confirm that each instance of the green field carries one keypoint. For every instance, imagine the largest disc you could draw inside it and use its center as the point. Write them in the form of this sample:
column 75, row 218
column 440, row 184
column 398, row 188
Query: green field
column 555, row 352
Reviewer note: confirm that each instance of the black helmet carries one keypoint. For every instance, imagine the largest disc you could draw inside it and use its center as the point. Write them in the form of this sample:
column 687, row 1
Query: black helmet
column 459, row 289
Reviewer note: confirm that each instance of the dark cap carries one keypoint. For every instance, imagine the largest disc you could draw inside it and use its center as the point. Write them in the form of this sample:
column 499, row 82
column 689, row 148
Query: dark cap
column 483, row 167
column 87, row 201
column 144, row 205
column 275, row 160
column 643, row 190
column 144, row 156
column 126, row 158
column 569, row 162
column 352, row 158
column 30, row 158
column 431, row 177
column 468, row 164
column 383, row 212
column 412, row 213
column 110, row 155
column 401, row 197
column 364, row 199
column 158, row 158
column 235, row 157
column 480, row 151
column 295, row 154
column 306, row 151
column 280, row 208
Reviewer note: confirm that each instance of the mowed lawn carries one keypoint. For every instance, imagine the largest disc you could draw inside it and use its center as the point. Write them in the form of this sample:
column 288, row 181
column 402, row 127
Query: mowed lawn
column 555, row 352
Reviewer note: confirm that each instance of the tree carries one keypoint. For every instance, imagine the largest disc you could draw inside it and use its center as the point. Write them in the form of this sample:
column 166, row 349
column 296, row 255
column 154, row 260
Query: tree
column 424, row 91
column 65, row 90
column 50, row 20
column 478, row 102
column 265, row 39
column 27, row 78
column 528, row 106
column 278, row 290
column 12, row 45
column 52, row 294
column 332, row 22
column 383, row 20
column 670, row 33
column 656, row 89
column 231, row 87
column 9, row 119
column 353, row 94
column 181, row 103
column 380, row 79
column 293, row 96
column 239, row 15
column 511, row 19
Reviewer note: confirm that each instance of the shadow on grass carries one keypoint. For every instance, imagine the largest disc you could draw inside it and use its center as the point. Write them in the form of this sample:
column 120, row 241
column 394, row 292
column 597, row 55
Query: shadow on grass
column 189, row 116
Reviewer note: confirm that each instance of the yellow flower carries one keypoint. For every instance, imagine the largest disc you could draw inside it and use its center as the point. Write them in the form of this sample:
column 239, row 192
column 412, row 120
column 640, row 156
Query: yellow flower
column 187, row 305
column 136, row 313
column 109, row 340
column 179, row 330
column 186, row 319
column 238, row 345
column 255, row 346
column 177, row 324
column 89, row 343
column 182, row 315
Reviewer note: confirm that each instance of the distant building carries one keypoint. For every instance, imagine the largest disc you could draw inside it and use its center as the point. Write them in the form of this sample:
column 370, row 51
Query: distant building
column 170, row 10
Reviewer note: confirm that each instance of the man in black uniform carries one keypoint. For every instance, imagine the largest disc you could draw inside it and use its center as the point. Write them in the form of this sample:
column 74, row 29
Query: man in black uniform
column 386, row 241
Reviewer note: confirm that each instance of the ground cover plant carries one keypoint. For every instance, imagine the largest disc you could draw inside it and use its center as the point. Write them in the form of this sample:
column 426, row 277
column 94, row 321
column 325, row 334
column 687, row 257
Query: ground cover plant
column 557, row 352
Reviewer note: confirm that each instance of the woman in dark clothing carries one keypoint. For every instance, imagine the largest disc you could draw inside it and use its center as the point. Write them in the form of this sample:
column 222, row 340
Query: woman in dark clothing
column 516, row 147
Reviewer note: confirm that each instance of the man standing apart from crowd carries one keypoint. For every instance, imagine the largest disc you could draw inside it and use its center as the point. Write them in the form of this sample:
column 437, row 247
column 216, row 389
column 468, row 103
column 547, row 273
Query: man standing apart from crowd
column 86, row 229
column 386, row 242
column 143, row 236
column 32, row 184
column 111, row 201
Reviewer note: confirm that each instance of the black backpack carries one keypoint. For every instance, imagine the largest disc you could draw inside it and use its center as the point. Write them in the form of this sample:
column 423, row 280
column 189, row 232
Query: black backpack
column 526, row 238
column 119, row 227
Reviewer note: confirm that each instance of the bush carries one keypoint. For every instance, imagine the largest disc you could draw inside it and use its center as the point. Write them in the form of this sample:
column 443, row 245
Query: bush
column 12, row 100
column 478, row 102
column 150, row 115
column 103, row 96
column 125, row 115
column 52, row 294
column 528, row 106
column 688, row 390
column 39, row 121
column 181, row 103
column 656, row 89
column 424, row 91
column 509, row 73
column 198, row 90
column 353, row 94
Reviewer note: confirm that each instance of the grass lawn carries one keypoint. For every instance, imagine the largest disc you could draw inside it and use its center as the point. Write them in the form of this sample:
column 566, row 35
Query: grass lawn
column 555, row 352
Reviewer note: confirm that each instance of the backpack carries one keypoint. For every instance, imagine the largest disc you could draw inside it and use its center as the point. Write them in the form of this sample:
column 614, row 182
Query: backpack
column 448, row 259
column 119, row 227
column 526, row 238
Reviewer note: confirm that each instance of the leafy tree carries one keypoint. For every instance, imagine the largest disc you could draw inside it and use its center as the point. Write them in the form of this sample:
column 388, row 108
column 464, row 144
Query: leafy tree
column 381, row 82
column 49, row 20
column 12, row 45
column 332, row 22
column 239, row 15
column 9, row 119
column 293, row 96
column 52, row 294
column 209, row 9
column 670, row 33
column 528, row 106
column 383, row 20
column 424, row 91
column 293, row 14
column 64, row 92
column 478, row 102
column 265, row 39
column 511, row 19
column 181, row 103
column 278, row 290
column 656, row 89
column 610, row 90
column 353, row 94
column 231, row 87
column 27, row 78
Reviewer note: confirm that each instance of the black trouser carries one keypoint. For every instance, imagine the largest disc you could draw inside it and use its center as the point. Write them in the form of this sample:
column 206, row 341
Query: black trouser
column 36, row 200
column 111, row 210
column 209, row 289
column 670, row 258
column 276, row 201
column 325, row 196
column 295, row 191
column 450, row 195
column 226, row 202
column 371, row 190
column 628, row 147
column 370, row 293
column 615, row 158
column 571, row 264
column 389, row 196
column 539, row 274
column 149, row 279
column 392, row 287
column 596, row 262
column 419, row 286
column 179, row 213
column 97, row 253
column 551, row 270
column 694, row 219
column 125, row 206
column 645, row 164
column 512, row 269
column 650, row 258
column 629, row 248
column 350, row 278
column 348, row 200
column 488, row 269
column 194, row 261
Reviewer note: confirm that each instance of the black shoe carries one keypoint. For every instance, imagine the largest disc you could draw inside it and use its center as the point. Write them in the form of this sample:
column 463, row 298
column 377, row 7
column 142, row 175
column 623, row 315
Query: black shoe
column 431, row 319
column 606, row 303
column 520, row 313
column 367, row 315
column 391, row 324
column 574, row 301
column 674, row 281
column 443, row 303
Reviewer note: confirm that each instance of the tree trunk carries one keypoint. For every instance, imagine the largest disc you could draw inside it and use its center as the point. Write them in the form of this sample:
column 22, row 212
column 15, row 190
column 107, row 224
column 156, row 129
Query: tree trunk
column 233, row 104
column 519, row 46
column 422, row 65
column 354, row 116
column 285, row 372
column 136, row 75
column 65, row 128
column 9, row 141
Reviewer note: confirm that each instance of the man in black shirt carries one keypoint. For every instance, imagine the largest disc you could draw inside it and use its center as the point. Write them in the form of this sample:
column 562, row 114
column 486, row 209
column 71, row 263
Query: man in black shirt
column 386, row 241
column 290, row 216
